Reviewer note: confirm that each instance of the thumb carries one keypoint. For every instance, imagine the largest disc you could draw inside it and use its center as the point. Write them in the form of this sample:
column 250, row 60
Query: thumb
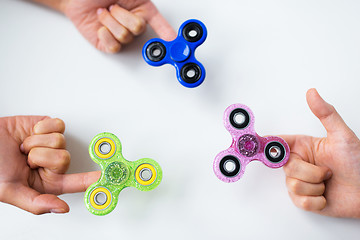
column 151, row 14
column 34, row 202
column 21, row 127
column 325, row 112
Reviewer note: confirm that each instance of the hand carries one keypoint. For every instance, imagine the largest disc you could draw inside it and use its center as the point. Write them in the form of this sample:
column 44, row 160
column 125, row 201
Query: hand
column 109, row 24
column 323, row 174
column 33, row 161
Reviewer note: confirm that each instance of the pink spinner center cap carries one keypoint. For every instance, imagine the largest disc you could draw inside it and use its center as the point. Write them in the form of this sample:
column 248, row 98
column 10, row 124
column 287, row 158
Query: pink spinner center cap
column 248, row 145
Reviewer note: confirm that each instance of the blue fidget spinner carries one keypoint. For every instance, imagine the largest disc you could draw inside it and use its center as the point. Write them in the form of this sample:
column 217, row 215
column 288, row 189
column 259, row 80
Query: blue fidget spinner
column 180, row 53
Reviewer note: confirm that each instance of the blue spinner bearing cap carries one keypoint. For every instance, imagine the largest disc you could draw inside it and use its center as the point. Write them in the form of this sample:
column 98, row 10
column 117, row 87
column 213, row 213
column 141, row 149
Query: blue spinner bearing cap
column 180, row 53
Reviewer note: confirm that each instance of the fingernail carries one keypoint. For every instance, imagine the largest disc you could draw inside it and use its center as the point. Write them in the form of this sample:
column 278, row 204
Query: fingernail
column 22, row 148
column 111, row 7
column 99, row 11
column 59, row 210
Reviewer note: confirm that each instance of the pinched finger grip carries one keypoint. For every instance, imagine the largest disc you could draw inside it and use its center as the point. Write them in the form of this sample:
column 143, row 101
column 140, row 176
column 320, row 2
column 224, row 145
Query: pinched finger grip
column 117, row 173
column 247, row 145
column 180, row 53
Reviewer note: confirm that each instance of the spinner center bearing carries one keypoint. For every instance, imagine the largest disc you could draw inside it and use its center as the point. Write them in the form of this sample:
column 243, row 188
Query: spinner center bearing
column 117, row 173
column 248, row 145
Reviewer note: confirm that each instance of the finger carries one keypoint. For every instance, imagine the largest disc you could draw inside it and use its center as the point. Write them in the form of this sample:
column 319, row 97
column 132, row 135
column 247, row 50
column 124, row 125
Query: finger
column 304, row 171
column 301, row 188
column 326, row 113
column 289, row 139
column 56, row 160
column 79, row 182
column 135, row 24
column 120, row 33
column 107, row 42
column 32, row 201
column 308, row 203
column 51, row 140
column 149, row 12
column 49, row 125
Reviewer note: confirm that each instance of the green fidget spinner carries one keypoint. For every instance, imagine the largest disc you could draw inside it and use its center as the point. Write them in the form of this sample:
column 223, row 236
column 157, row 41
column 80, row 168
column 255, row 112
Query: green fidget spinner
column 117, row 173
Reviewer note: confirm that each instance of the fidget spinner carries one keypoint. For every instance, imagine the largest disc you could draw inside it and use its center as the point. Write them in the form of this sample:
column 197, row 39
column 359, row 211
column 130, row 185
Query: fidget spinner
column 247, row 145
column 117, row 173
column 180, row 53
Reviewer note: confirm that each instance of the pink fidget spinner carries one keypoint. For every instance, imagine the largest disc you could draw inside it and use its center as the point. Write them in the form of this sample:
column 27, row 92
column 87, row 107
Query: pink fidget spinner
column 247, row 145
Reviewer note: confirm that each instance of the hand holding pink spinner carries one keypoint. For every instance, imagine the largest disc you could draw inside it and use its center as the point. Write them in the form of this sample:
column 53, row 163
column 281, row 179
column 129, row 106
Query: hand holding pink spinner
column 247, row 145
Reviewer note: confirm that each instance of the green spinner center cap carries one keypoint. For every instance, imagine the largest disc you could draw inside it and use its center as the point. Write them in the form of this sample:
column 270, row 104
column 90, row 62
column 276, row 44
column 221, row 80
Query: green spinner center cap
column 117, row 173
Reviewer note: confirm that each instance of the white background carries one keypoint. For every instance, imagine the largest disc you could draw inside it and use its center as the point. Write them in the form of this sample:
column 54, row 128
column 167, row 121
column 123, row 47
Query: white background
column 264, row 54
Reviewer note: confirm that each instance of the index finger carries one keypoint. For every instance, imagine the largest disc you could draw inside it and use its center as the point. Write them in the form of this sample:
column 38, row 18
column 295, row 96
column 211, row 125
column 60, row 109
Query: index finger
column 151, row 14
column 290, row 139
column 305, row 171
column 79, row 182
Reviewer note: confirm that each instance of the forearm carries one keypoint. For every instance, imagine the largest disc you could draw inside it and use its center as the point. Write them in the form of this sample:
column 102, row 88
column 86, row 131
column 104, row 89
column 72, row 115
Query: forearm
column 58, row 5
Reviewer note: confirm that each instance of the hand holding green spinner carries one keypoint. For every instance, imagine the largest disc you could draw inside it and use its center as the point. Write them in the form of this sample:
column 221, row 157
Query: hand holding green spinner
column 117, row 173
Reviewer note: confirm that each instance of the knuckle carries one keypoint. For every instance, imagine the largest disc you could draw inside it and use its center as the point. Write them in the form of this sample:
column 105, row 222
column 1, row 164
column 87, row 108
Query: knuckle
column 36, row 211
column 115, row 48
column 332, row 109
column 318, row 177
column 322, row 188
column 34, row 157
column 101, row 31
column 286, row 169
column 64, row 157
column 115, row 8
column 289, row 169
column 59, row 124
column 103, row 15
column 2, row 191
column 322, row 204
column 139, row 26
column 295, row 186
column 58, row 140
column 305, row 203
column 33, row 153
column 124, row 36
column 27, row 142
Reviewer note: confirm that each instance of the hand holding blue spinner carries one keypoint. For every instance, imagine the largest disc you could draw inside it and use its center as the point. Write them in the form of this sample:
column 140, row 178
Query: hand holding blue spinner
column 116, row 174
column 180, row 53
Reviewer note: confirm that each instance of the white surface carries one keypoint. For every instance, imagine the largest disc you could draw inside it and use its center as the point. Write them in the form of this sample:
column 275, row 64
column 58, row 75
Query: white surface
column 265, row 54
